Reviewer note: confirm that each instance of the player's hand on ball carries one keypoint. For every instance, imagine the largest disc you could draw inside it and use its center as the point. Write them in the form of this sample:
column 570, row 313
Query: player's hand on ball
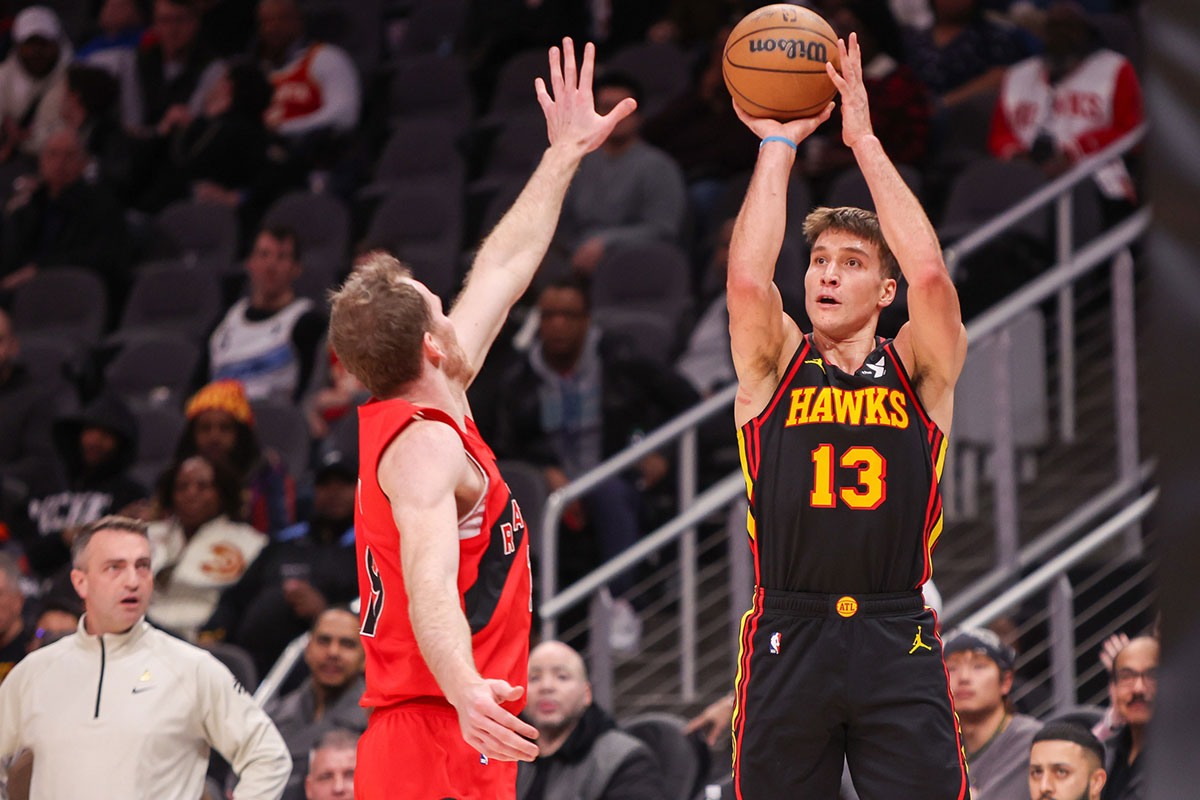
column 489, row 728
column 796, row 130
column 571, row 118
column 856, row 114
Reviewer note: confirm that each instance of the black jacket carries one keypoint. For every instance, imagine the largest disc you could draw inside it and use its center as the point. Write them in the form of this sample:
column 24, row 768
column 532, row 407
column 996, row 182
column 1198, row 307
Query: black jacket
column 26, row 411
column 91, row 492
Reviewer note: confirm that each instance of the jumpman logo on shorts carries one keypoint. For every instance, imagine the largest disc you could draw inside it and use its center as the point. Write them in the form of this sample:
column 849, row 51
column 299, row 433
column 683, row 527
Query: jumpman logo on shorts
column 917, row 643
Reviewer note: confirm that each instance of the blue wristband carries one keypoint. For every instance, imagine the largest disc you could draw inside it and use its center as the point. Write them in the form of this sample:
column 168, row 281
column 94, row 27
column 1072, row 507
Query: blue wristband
column 783, row 139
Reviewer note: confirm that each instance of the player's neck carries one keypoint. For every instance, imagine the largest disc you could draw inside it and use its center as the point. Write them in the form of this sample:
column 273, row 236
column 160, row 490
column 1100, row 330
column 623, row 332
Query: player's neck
column 433, row 389
column 980, row 730
column 845, row 353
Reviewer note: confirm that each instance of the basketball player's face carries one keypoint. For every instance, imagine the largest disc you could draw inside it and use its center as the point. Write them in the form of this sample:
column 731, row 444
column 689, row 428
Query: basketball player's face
column 1060, row 770
column 844, row 288
column 976, row 683
column 558, row 689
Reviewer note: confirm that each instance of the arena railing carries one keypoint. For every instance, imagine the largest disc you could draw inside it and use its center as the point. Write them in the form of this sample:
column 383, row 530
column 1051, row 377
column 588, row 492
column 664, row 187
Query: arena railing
column 1057, row 282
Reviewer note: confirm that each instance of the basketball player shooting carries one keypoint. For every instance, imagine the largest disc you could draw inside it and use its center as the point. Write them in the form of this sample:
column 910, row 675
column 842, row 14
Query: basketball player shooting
column 442, row 547
column 842, row 436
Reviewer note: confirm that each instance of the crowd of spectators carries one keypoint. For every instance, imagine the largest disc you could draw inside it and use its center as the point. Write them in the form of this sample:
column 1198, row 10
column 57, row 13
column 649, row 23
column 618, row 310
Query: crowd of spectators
column 117, row 116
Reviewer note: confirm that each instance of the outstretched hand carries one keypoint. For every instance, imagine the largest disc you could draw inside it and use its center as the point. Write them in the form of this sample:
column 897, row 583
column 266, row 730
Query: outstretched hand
column 571, row 118
column 489, row 728
column 856, row 114
column 797, row 130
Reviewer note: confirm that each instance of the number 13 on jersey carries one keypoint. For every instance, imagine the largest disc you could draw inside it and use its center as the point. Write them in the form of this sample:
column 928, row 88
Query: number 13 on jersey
column 871, row 490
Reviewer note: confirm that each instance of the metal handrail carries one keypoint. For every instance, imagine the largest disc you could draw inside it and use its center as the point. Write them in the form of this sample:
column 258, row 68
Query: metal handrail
column 1081, row 171
column 1067, row 559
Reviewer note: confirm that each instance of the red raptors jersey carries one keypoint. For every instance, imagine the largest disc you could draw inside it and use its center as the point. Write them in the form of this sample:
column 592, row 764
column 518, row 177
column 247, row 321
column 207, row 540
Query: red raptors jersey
column 297, row 92
column 493, row 569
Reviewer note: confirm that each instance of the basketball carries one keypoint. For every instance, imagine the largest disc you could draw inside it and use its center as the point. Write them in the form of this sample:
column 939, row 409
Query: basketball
column 774, row 62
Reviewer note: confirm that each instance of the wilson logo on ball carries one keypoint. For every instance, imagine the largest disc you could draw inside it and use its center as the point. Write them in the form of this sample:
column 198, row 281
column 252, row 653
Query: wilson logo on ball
column 792, row 48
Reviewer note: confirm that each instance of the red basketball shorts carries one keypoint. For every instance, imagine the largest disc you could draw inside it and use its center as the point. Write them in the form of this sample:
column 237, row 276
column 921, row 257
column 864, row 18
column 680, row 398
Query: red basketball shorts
column 415, row 751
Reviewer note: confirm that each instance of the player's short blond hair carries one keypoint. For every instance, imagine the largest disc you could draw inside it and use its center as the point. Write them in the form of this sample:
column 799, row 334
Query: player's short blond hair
column 377, row 322
column 857, row 221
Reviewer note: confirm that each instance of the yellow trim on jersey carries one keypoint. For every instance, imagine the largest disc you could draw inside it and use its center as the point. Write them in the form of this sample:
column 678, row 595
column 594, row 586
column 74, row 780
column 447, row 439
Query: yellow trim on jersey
column 750, row 528
column 940, row 459
column 935, row 533
column 737, row 683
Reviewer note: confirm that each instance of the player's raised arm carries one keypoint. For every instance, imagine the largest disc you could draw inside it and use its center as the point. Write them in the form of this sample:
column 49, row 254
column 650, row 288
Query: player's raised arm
column 511, row 253
column 421, row 472
column 761, row 334
column 933, row 343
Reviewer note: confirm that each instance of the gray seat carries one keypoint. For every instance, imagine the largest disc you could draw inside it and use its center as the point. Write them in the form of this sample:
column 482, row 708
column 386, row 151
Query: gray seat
column 422, row 226
column 359, row 33
column 515, row 152
column 850, row 187
column 203, row 235
column 966, row 129
column 678, row 758
column 989, row 187
column 435, row 26
column 419, row 150
column 662, row 71
column 528, row 486
column 322, row 224
column 649, row 334
column 68, row 302
column 153, row 369
column 237, row 660
column 514, row 85
column 428, row 86
column 281, row 427
column 650, row 276
column 170, row 297
column 159, row 430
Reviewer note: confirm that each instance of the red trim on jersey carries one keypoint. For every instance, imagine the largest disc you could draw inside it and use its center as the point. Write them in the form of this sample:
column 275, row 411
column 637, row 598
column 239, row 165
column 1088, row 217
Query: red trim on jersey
column 888, row 348
column 757, row 449
column 799, row 359
column 747, row 652
column 962, row 756
column 932, row 509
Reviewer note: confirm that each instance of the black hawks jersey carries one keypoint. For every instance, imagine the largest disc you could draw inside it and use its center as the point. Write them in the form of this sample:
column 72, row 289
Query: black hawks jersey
column 842, row 474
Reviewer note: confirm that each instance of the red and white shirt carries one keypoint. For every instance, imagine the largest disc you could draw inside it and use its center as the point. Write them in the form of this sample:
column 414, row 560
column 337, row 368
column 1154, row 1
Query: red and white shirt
column 1094, row 105
column 494, row 582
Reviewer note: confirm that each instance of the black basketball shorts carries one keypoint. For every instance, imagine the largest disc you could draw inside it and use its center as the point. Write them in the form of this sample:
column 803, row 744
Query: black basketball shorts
column 826, row 678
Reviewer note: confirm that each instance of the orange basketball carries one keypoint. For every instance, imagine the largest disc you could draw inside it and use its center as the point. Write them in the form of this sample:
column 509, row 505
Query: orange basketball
column 774, row 62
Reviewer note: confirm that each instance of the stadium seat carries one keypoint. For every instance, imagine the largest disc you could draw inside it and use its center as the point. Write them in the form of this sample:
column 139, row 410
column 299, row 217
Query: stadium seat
column 159, row 429
column 514, row 85
column 989, row 187
column 67, row 302
column 850, row 187
column 661, row 70
column 434, row 26
column 422, row 226
column 651, row 276
column 239, row 662
column 281, row 427
column 322, row 223
column 419, row 151
column 202, row 235
column 678, row 757
column 649, row 334
column 427, row 86
column 170, row 297
column 359, row 33
column 153, row 369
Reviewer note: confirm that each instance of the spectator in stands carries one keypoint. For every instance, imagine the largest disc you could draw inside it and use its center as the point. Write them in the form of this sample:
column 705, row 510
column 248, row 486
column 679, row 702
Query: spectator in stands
column 1073, row 100
column 57, row 617
column 268, row 339
column 172, row 75
column 700, row 131
column 580, row 751
column 115, row 50
column 328, row 699
column 31, row 81
column 964, row 54
column 577, row 398
column 317, row 94
column 89, row 107
column 707, row 362
column 152, row 741
column 220, row 425
column 331, row 766
column 626, row 191
column 901, row 108
column 1134, row 689
column 307, row 569
column 1065, row 761
column 341, row 394
column 27, row 458
column 201, row 548
column 14, row 638
column 59, row 219
column 995, row 740
column 96, row 448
